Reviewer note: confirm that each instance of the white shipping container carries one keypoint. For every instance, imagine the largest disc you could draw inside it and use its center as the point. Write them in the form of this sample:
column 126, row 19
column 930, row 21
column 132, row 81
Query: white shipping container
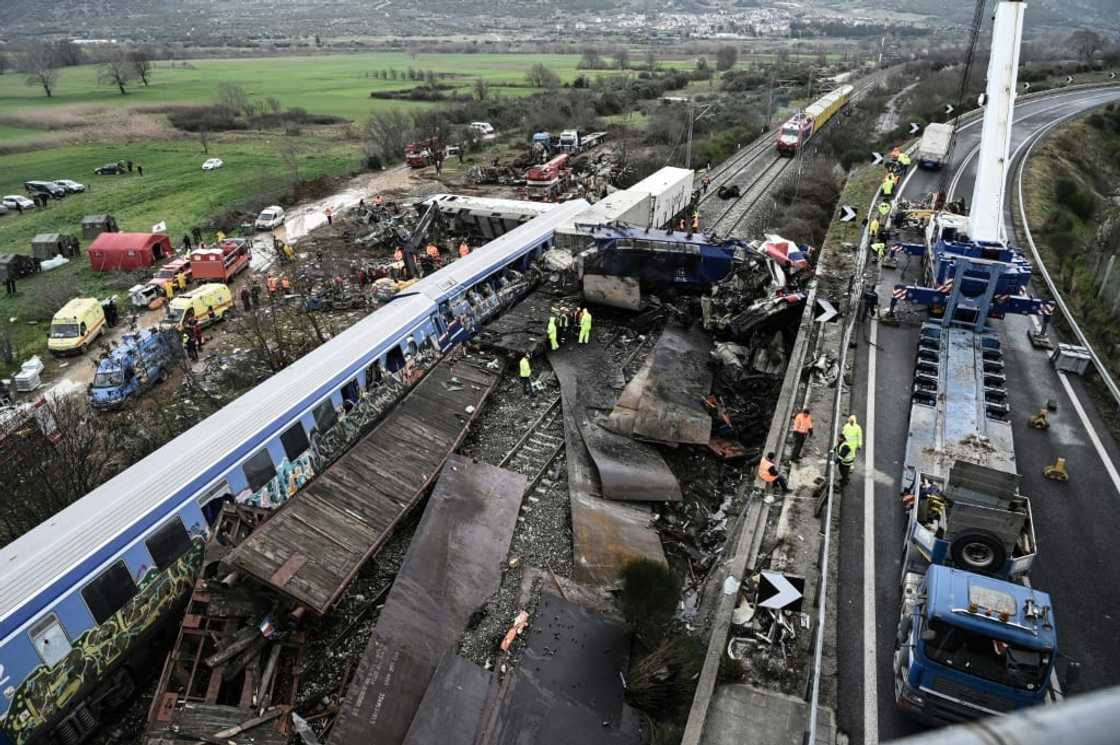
column 670, row 191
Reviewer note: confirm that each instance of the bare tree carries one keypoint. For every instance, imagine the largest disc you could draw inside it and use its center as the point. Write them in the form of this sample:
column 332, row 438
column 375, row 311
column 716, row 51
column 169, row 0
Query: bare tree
column 67, row 53
column 273, row 104
column 1087, row 43
column 590, row 59
column 622, row 58
column 232, row 98
column 726, row 57
column 540, row 76
column 385, row 134
column 141, row 61
column 650, row 58
column 116, row 70
column 481, row 89
column 38, row 61
column 204, row 140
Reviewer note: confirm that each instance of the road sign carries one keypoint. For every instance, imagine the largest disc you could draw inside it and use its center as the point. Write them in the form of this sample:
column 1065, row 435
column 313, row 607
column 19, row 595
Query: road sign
column 849, row 213
column 779, row 592
column 982, row 100
column 1027, row 85
column 914, row 128
column 160, row 227
column 1069, row 79
column 949, row 109
column 878, row 158
column 826, row 311
column 1112, row 76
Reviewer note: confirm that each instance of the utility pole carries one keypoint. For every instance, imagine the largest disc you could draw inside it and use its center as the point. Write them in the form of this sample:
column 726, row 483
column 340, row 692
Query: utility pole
column 693, row 117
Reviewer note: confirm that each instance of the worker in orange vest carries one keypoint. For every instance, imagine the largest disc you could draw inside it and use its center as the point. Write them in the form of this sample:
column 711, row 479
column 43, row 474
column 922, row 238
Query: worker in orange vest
column 768, row 472
column 464, row 250
column 802, row 429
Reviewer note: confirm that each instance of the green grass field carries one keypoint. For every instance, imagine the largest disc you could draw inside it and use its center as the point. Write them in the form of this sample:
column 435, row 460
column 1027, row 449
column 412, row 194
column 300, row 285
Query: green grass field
column 173, row 189
column 334, row 84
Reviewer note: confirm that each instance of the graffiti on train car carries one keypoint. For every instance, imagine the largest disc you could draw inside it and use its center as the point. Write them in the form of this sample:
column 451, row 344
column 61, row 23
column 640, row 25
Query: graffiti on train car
column 47, row 691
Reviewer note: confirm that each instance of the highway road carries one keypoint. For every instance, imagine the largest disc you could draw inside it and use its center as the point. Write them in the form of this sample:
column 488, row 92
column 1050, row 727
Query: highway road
column 1077, row 522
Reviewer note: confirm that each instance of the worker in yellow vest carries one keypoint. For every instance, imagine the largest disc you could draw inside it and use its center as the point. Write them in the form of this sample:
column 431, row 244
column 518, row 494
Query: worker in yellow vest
column 584, row 326
column 853, row 433
column 526, row 371
column 552, row 341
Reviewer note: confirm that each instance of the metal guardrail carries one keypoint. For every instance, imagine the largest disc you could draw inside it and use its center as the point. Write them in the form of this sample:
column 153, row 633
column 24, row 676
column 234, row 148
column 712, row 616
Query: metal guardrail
column 1040, row 265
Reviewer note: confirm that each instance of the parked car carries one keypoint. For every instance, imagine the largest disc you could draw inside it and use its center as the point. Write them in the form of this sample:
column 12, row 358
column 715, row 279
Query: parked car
column 3, row 209
column 12, row 200
column 270, row 217
column 45, row 188
column 72, row 187
column 110, row 169
column 212, row 164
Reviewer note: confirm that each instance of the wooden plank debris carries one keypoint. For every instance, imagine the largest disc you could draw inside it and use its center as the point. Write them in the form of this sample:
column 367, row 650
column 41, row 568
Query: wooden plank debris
column 316, row 542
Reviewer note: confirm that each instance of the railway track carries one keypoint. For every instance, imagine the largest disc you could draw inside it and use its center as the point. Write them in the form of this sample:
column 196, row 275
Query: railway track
column 537, row 448
column 756, row 188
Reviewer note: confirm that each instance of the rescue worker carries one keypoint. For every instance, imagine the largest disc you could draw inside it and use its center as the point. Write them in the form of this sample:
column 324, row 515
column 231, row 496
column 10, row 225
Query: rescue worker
column 221, row 236
column 190, row 347
column 768, row 472
column 273, row 284
column 904, row 161
column 553, row 344
column 696, row 221
column 888, row 186
column 432, row 251
column 169, row 289
column 853, row 433
column 464, row 250
column 880, row 250
column 330, row 216
column 802, row 430
column 845, row 459
column 398, row 255
column 870, row 304
column 873, row 228
column 255, row 292
column 526, row 372
column 181, row 280
column 584, row 326
column 186, row 243
column 378, row 200
column 285, row 283
column 681, row 225
column 884, row 211
column 289, row 252
column 246, row 299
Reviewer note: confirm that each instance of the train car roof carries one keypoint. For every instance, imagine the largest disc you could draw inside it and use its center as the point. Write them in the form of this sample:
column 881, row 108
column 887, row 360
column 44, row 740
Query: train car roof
column 42, row 563
column 484, row 260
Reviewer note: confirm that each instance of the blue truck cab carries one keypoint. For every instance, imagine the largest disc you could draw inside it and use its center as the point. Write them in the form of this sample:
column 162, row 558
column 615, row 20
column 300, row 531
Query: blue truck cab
column 971, row 646
column 130, row 368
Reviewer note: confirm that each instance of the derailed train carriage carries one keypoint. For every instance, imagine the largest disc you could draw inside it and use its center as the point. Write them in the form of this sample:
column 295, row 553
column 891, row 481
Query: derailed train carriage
column 85, row 595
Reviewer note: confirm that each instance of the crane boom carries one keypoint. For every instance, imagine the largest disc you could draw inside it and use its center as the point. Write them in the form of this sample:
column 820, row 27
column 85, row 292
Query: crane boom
column 989, row 191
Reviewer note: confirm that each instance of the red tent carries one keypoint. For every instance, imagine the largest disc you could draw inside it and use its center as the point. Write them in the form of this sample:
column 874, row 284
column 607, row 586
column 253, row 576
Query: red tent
column 111, row 252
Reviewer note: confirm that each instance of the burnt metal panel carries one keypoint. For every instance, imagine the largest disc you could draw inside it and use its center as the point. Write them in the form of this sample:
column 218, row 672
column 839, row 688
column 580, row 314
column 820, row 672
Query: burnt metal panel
column 523, row 328
column 665, row 400
column 568, row 685
column 346, row 514
column 451, row 711
column 605, row 534
column 453, row 565
column 628, row 470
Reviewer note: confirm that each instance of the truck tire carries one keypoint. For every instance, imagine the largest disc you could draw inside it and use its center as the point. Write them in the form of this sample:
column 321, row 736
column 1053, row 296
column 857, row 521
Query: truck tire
column 978, row 552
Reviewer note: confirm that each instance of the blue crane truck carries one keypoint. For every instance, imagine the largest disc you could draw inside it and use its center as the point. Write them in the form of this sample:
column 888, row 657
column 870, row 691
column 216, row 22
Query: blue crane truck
column 974, row 639
column 130, row 368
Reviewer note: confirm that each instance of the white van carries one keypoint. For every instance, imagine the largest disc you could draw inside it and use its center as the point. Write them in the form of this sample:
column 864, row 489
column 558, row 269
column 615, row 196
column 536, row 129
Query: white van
column 270, row 217
column 485, row 130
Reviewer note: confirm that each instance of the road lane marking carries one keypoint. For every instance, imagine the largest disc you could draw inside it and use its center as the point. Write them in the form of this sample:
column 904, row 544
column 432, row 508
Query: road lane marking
column 870, row 639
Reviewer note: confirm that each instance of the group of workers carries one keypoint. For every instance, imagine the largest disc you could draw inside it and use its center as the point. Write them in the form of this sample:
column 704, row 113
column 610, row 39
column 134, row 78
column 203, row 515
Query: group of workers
column 558, row 325
column 848, row 444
